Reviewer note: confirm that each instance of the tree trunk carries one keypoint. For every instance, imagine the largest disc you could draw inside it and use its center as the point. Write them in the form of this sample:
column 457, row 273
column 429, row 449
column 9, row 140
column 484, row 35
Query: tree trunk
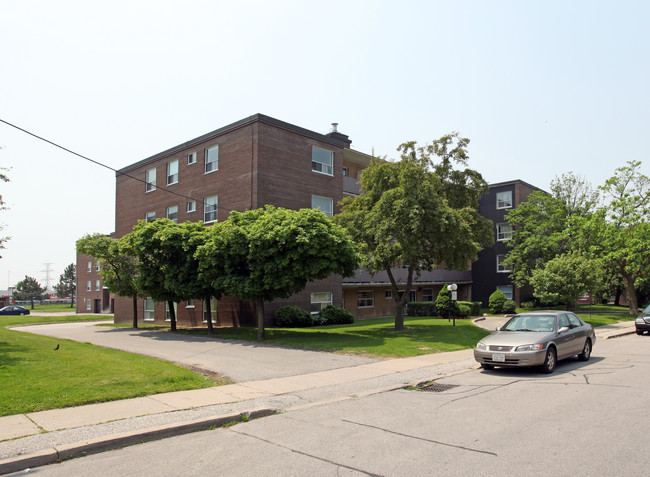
column 259, row 313
column 208, row 309
column 172, row 315
column 135, row 311
column 631, row 295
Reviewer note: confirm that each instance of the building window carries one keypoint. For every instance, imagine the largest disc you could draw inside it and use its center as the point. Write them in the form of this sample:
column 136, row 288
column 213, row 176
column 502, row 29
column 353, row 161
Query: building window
column 366, row 299
column 504, row 199
column 90, row 267
column 89, row 285
column 172, row 213
column 427, row 294
column 150, row 216
column 98, row 285
column 189, row 303
column 413, row 296
column 388, row 294
column 346, row 172
column 319, row 301
column 149, row 309
column 191, row 158
column 191, row 206
column 212, row 159
column 97, row 266
column 507, row 291
column 501, row 268
column 89, row 304
column 213, row 310
column 324, row 204
column 504, row 231
column 168, row 316
column 322, row 161
column 150, row 180
column 210, row 209
column 172, row 172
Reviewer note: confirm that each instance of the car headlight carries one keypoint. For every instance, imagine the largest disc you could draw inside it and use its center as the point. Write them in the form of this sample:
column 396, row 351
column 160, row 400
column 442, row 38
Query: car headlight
column 529, row 347
column 481, row 346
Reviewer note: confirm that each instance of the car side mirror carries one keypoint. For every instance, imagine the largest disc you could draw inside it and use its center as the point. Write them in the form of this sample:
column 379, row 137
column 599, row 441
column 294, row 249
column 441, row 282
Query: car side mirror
column 563, row 329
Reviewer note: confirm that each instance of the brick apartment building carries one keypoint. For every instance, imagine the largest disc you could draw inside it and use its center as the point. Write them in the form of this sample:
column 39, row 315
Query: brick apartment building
column 256, row 161
column 92, row 296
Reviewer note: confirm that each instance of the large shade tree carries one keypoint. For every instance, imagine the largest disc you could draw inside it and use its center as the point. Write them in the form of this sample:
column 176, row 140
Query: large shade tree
column 265, row 254
column 118, row 265
column 420, row 212
column 29, row 289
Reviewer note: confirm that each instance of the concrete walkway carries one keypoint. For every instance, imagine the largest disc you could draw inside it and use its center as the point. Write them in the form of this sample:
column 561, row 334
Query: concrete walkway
column 40, row 438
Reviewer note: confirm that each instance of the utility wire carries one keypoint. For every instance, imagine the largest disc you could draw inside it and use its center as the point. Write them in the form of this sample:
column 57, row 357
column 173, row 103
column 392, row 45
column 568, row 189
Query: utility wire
column 165, row 189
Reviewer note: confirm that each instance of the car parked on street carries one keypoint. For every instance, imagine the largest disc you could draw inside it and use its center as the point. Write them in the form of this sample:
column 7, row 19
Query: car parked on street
column 538, row 338
column 642, row 321
column 14, row 310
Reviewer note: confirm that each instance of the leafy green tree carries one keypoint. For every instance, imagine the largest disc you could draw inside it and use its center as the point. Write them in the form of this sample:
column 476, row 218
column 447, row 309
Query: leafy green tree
column 67, row 285
column 545, row 225
column 419, row 212
column 119, row 266
column 29, row 289
column 270, row 253
column 444, row 304
column 566, row 278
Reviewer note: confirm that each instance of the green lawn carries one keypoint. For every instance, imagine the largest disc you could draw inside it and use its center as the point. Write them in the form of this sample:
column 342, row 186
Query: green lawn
column 374, row 337
column 35, row 377
column 50, row 308
column 600, row 319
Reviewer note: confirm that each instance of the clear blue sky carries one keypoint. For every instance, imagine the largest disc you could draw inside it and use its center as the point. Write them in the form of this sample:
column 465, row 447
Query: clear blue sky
column 540, row 87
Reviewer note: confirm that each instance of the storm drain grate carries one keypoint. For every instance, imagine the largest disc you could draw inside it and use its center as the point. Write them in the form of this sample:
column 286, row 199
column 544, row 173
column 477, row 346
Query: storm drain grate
column 436, row 388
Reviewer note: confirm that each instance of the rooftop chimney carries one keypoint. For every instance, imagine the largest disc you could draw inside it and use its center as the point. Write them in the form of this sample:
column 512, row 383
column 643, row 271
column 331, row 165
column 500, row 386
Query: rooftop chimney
column 335, row 134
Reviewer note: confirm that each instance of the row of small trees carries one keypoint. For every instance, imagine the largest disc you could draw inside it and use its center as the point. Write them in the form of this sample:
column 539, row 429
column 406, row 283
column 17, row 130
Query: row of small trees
column 258, row 255
column 579, row 240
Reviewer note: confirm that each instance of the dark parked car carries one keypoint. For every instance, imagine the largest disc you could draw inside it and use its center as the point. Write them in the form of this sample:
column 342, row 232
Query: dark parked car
column 643, row 321
column 14, row 310
column 539, row 338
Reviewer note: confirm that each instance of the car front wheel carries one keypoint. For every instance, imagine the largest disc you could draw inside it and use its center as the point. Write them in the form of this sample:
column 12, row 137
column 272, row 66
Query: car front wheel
column 549, row 362
column 22, row 314
column 639, row 332
column 586, row 352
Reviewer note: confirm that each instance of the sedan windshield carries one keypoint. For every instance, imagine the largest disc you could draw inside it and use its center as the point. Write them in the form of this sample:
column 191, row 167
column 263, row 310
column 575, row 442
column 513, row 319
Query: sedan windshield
column 530, row 323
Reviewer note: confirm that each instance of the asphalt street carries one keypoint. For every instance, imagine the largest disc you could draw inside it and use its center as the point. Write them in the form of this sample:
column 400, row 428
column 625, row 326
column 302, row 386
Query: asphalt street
column 585, row 419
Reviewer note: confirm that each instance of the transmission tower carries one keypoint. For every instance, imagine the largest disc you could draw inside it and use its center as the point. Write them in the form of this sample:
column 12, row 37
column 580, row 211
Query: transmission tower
column 47, row 271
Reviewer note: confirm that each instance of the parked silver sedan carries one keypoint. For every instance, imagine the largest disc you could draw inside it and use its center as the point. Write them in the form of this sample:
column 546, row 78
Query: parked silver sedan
column 538, row 338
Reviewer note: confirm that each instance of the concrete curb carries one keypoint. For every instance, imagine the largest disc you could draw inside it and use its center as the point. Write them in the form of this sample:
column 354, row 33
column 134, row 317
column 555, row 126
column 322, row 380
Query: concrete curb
column 118, row 441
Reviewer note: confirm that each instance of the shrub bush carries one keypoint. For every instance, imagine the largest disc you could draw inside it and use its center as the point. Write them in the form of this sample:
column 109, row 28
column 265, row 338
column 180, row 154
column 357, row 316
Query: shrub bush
column 293, row 317
column 463, row 311
column 335, row 315
column 509, row 307
column 496, row 302
column 474, row 307
column 528, row 304
column 421, row 308
column 443, row 302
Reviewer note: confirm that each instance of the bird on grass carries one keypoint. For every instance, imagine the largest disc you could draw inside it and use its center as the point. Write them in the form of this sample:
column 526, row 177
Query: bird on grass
column 57, row 347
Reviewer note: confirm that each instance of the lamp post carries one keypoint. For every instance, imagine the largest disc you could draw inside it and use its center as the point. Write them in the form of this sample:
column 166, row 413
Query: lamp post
column 454, row 296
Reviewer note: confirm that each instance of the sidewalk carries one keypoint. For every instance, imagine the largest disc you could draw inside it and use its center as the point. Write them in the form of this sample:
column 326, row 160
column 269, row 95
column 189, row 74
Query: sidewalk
column 40, row 438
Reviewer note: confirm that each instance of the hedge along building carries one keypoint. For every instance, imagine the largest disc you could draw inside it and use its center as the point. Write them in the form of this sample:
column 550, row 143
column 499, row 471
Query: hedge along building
column 245, row 165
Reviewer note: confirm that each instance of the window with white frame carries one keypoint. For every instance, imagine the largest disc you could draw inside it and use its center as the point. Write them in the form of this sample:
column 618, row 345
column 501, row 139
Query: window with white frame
column 89, row 285
column 168, row 315
column 213, row 310
column 504, row 231
column 322, row 161
column 90, row 267
column 388, row 294
column 98, row 285
column 191, row 206
column 504, row 199
column 320, row 300
column 501, row 268
column 149, row 309
column 189, row 303
column 172, row 213
column 89, row 304
column 427, row 294
column 191, row 158
column 172, row 172
column 324, row 204
column 150, row 216
column 507, row 291
column 150, row 180
column 212, row 159
column 210, row 209
column 97, row 266
column 366, row 299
